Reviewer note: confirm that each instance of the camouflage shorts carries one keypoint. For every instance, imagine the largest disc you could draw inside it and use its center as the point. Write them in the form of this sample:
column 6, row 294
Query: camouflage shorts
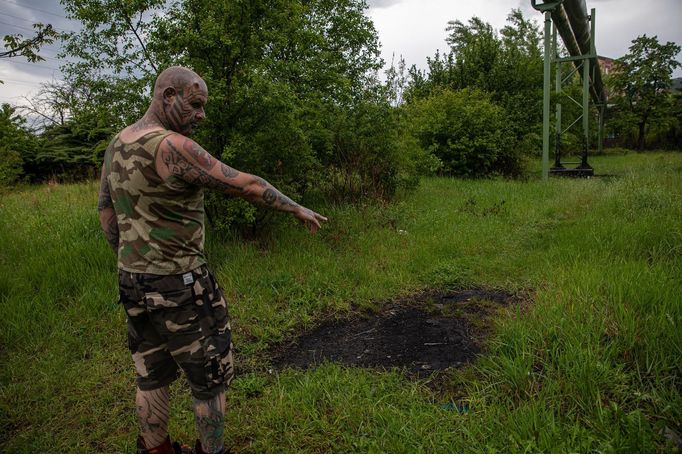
column 178, row 321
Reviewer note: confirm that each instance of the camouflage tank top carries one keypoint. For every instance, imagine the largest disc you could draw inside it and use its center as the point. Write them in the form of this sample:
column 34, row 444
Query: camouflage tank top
column 160, row 222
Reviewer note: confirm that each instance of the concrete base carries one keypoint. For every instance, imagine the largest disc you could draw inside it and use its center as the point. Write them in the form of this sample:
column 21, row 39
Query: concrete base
column 577, row 172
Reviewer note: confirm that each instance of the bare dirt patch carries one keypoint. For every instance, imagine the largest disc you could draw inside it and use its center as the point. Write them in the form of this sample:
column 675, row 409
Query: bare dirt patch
column 421, row 334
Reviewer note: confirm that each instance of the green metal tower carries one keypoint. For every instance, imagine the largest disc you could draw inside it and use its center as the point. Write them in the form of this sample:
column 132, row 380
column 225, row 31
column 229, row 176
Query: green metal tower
column 569, row 20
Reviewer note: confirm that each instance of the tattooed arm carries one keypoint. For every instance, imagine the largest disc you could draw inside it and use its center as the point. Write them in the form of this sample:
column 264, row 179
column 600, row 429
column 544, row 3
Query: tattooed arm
column 182, row 157
column 107, row 215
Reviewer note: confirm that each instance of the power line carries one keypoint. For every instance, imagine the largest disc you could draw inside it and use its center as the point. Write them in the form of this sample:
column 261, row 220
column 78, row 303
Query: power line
column 46, row 57
column 17, row 17
column 4, row 79
column 31, row 22
column 42, row 54
column 33, row 64
column 18, row 26
column 25, row 84
column 21, row 82
column 34, row 9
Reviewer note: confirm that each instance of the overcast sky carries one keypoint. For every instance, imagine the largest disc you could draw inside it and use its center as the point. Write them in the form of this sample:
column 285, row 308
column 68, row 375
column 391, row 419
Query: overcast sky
column 411, row 28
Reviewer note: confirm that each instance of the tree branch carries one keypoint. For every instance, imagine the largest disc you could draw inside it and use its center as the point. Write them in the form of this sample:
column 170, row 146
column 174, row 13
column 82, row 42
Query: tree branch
column 139, row 40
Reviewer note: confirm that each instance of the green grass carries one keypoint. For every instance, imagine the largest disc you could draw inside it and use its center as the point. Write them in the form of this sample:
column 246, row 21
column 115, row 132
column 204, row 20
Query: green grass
column 594, row 363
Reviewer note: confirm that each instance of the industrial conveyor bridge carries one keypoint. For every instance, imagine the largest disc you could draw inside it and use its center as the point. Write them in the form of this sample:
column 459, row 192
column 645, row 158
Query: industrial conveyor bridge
column 569, row 19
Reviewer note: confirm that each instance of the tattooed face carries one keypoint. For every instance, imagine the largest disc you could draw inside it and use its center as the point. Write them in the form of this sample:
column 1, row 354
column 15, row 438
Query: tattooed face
column 185, row 108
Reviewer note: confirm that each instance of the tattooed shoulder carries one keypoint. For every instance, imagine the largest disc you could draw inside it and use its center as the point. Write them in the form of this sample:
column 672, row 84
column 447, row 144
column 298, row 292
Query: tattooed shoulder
column 179, row 166
column 198, row 153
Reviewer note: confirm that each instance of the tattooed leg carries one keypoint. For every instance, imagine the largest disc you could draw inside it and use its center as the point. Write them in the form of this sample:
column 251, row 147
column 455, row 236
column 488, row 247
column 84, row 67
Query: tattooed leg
column 210, row 420
column 152, row 412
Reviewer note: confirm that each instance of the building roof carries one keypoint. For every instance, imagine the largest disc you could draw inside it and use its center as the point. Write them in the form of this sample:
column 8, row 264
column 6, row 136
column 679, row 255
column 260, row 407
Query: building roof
column 677, row 85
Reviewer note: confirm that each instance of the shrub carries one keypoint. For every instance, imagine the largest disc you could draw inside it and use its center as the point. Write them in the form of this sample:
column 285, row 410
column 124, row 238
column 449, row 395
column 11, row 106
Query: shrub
column 367, row 153
column 10, row 166
column 335, row 153
column 468, row 133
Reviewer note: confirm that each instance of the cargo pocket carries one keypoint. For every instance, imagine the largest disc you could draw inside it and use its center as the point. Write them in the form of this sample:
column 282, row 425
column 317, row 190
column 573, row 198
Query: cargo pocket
column 218, row 362
column 137, row 319
column 134, row 338
column 126, row 288
column 218, row 305
column 174, row 311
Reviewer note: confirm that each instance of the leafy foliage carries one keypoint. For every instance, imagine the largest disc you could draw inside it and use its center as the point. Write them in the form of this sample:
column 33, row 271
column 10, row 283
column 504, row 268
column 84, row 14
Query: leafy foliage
column 466, row 132
column 109, row 61
column 507, row 65
column 641, row 84
column 369, row 152
column 293, row 94
column 16, row 45
column 70, row 151
column 16, row 141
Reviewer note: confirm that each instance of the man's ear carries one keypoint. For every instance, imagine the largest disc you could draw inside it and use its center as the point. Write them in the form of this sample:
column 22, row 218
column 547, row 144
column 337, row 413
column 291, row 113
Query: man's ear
column 168, row 94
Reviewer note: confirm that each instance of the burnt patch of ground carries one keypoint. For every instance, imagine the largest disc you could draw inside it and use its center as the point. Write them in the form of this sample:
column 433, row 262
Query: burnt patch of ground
column 421, row 334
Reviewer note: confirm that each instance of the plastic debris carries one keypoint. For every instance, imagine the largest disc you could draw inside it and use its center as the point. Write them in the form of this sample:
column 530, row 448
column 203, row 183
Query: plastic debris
column 462, row 409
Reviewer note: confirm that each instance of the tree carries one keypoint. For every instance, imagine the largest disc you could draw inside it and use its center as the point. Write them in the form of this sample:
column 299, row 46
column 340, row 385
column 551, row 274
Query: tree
column 466, row 132
column 477, row 50
column 52, row 105
column 641, row 83
column 507, row 67
column 70, row 151
column 396, row 82
column 16, row 141
column 16, row 45
column 289, row 81
column 112, row 69
column 506, row 64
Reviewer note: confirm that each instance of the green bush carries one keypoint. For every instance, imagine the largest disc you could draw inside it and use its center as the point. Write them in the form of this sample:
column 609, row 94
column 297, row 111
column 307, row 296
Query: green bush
column 367, row 153
column 341, row 154
column 468, row 133
column 10, row 166
column 16, row 142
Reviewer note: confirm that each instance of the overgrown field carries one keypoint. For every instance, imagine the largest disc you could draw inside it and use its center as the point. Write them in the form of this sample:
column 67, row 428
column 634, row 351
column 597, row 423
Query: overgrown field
column 592, row 363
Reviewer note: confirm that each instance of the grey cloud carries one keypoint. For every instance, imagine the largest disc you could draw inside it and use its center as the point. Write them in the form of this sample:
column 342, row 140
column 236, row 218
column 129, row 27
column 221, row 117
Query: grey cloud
column 383, row 3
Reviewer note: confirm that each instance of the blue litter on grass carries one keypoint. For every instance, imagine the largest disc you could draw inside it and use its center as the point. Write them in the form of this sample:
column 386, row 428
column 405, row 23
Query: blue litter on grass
column 462, row 409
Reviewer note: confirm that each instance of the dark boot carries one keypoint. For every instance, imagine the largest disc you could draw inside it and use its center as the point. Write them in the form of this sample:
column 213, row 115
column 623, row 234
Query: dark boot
column 182, row 449
column 164, row 448
column 198, row 449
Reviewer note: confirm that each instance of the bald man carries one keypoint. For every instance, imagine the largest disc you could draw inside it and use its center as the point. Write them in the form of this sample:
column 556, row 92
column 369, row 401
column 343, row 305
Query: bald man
column 151, row 206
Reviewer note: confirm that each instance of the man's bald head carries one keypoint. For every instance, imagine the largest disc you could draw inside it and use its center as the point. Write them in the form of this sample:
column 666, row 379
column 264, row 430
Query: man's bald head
column 179, row 99
column 179, row 78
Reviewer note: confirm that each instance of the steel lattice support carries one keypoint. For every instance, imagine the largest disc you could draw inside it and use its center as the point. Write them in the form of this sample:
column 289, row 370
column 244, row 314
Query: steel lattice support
column 571, row 24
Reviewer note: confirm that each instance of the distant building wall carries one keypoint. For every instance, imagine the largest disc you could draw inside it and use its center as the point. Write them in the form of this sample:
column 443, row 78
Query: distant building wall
column 606, row 64
column 677, row 85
